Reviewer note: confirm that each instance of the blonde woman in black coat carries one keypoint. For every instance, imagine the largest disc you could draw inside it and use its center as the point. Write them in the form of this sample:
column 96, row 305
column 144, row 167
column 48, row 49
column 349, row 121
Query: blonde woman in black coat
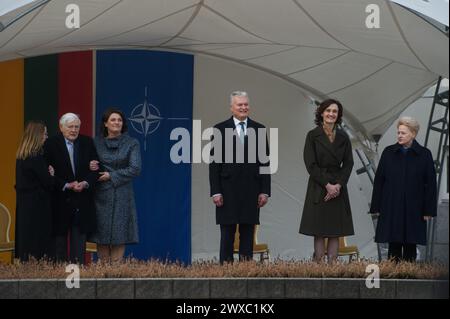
column 34, row 182
column 404, row 193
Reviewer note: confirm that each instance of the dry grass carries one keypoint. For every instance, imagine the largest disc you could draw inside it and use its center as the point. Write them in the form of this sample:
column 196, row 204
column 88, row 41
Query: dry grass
column 277, row 269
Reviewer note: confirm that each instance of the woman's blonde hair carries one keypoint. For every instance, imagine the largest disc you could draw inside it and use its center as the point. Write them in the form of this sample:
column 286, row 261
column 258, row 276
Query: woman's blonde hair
column 410, row 123
column 32, row 140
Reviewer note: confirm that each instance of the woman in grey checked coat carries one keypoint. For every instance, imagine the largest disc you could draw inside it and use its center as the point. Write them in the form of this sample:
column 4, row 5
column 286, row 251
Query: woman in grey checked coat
column 120, row 162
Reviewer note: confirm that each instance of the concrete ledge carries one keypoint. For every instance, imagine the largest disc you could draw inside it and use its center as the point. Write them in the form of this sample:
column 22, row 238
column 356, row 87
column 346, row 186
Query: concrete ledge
column 9, row 289
column 232, row 288
column 224, row 288
column 408, row 289
column 440, row 289
column 154, row 288
column 303, row 288
column 387, row 290
column 119, row 288
column 333, row 288
column 266, row 288
column 37, row 289
column 87, row 290
column 191, row 288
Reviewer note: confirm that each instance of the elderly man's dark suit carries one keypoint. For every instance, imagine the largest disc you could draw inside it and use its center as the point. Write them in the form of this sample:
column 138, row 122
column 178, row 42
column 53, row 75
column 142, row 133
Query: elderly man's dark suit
column 240, row 184
column 72, row 211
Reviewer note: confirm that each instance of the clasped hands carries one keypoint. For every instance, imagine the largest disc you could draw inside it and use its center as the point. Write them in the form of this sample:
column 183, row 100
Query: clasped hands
column 333, row 191
column 104, row 176
column 74, row 186
column 77, row 186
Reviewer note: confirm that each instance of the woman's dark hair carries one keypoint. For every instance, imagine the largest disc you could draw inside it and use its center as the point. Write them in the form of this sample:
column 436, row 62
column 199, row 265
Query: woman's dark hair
column 105, row 117
column 323, row 106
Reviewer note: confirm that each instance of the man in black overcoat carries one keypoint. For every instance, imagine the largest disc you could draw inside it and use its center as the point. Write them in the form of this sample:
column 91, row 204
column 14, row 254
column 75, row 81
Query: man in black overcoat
column 73, row 199
column 239, row 177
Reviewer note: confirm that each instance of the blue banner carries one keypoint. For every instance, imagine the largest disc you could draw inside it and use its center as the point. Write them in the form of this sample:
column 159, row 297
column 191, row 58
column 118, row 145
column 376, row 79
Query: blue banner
column 155, row 91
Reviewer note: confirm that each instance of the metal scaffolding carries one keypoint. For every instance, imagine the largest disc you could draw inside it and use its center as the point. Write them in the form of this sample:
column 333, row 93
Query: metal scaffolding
column 437, row 124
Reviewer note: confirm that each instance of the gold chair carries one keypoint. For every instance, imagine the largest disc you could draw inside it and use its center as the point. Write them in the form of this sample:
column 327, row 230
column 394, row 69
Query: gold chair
column 91, row 249
column 260, row 249
column 345, row 250
column 6, row 245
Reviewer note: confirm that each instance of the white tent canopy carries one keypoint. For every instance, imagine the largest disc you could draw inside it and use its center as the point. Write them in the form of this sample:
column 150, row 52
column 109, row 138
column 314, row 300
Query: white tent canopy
column 435, row 9
column 321, row 46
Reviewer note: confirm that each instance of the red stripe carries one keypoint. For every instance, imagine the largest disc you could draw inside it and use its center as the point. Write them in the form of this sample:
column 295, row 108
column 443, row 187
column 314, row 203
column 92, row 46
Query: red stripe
column 75, row 87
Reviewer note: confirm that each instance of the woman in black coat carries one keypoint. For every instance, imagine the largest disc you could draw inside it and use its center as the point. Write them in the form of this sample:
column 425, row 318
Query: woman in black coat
column 329, row 162
column 404, row 193
column 34, row 181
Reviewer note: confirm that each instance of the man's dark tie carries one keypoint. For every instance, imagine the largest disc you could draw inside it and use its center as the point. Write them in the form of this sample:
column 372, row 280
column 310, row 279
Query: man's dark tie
column 242, row 135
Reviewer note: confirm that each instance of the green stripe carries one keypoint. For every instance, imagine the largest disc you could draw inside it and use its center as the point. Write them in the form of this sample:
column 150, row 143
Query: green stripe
column 41, row 91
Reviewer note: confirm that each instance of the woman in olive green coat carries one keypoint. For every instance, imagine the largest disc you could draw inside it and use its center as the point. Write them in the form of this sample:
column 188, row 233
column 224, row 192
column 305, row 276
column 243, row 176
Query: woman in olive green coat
column 329, row 162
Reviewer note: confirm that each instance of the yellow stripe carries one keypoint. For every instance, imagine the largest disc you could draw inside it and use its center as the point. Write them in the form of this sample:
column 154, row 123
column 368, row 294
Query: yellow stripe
column 11, row 113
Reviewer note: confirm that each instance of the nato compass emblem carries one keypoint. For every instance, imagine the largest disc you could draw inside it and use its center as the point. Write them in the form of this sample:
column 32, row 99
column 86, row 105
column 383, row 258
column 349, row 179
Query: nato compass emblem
column 145, row 119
